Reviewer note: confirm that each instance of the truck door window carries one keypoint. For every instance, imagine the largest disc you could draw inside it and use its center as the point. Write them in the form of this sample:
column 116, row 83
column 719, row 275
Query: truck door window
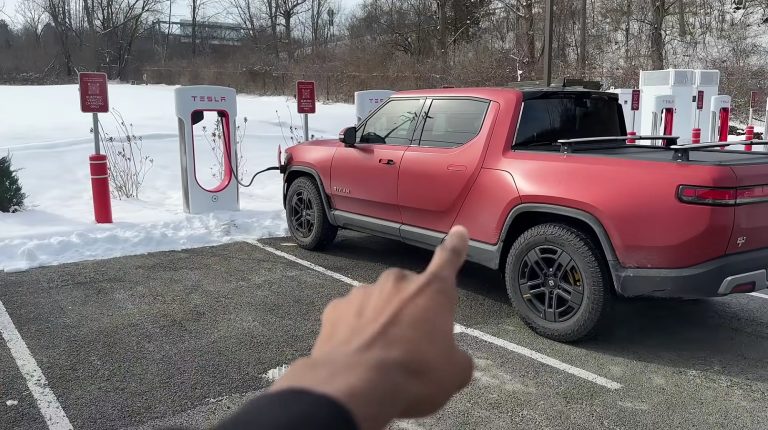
column 393, row 124
column 546, row 120
column 453, row 122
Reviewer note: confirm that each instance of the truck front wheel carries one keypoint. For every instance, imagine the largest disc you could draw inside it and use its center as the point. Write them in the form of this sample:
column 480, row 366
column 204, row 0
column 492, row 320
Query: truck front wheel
column 558, row 282
column 307, row 220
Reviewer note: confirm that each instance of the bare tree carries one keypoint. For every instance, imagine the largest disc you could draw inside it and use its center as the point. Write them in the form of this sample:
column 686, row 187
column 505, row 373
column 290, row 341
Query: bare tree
column 195, row 9
column 60, row 15
column 271, row 9
column 583, row 39
column 117, row 25
column 31, row 17
column 317, row 21
column 659, row 8
column 288, row 10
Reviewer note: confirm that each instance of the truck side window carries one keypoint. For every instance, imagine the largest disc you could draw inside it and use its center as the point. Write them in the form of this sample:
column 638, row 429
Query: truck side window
column 546, row 120
column 393, row 124
column 453, row 122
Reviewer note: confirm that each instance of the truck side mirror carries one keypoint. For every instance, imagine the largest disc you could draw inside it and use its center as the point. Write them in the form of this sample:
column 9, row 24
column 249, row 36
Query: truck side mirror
column 348, row 136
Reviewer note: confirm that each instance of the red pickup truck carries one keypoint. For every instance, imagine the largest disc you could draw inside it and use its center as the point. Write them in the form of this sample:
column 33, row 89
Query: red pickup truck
column 552, row 194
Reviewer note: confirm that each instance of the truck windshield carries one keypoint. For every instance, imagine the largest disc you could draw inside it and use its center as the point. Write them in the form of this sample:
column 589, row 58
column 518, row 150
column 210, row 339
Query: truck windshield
column 547, row 119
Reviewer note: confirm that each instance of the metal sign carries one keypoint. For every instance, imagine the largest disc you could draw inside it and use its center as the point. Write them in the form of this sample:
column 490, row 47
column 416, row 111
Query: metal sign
column 754, row 99
column 305, row 97
column 635, row 99
column 93, row 92
column 700, row 100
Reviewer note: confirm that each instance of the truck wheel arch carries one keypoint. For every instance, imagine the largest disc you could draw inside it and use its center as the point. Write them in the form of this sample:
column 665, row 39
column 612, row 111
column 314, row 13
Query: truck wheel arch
column 526, row 215
column 295, row 172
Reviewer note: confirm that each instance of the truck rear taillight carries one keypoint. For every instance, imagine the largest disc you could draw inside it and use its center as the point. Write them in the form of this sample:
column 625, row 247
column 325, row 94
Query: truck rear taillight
column 722, row 196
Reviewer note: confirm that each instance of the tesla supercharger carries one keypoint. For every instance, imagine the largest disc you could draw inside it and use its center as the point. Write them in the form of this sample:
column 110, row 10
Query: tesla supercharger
column 367, row 101
column 661, row 114
column 192, row 103
column 719, row 119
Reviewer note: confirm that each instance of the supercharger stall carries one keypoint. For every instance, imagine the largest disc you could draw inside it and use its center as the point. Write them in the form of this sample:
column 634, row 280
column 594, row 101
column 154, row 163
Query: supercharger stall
column 682, row 85
column 191, row 104
column 719, row 118
column 369, row 100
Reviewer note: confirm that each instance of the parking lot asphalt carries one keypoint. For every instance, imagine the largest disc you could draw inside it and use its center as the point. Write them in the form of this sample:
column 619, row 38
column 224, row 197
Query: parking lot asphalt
column 186, row 337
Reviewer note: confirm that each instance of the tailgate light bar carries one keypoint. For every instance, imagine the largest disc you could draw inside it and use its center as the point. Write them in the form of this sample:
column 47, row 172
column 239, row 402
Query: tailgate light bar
column 712, row 196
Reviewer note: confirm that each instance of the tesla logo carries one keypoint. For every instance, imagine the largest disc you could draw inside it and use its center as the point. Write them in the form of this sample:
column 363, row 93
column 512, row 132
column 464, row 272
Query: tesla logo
column 341, row 190
column 210, row 99
column 741, row 241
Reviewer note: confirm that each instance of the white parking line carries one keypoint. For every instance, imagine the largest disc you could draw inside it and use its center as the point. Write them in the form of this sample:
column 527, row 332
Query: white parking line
column 49, row 406
column 458, row 328
column 764, row 296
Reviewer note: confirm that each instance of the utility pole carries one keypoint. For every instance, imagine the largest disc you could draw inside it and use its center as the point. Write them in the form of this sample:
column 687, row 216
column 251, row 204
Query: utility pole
column 548, row 42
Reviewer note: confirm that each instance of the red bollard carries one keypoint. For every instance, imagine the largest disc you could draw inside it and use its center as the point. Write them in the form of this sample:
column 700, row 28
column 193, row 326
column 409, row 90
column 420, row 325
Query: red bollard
column 749, row 134
column 631, row 133
column 102, row 205
column 696, row 135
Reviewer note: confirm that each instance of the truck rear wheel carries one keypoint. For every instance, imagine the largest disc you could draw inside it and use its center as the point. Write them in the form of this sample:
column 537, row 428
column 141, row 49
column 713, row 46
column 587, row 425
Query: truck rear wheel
column 558, row 282
column 305, row 213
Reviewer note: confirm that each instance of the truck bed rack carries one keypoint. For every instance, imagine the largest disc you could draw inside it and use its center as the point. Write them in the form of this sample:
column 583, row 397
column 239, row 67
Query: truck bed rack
column 680, row 152
column 567, row 145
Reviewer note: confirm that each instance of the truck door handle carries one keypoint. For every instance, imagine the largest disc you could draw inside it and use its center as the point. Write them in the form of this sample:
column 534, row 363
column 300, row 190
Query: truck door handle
column 386, row 161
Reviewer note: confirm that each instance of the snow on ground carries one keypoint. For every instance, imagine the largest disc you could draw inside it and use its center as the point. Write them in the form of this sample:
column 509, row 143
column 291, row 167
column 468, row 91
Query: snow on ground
column 49, row 140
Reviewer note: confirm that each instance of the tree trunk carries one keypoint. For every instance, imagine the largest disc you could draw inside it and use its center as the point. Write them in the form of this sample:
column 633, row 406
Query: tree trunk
column 681, row 18
column 627, row 29
column 657, row 37
column 194, row 28
column 583, row 40
column 168, row 31
column 88, row 10
column 272, row 11
column 443, row 33
column 287, row 16
column 530, row 39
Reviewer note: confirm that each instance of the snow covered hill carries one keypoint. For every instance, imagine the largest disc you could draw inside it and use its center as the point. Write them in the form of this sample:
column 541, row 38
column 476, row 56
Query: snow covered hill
column 49, row 139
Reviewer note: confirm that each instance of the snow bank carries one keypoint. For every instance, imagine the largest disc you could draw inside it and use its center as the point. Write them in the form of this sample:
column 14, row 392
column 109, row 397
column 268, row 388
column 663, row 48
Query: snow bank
column 49, row 140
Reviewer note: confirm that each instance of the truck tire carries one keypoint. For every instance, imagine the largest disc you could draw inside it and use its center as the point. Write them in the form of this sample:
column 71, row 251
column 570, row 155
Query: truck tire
column 558, row 282
column 307, row 221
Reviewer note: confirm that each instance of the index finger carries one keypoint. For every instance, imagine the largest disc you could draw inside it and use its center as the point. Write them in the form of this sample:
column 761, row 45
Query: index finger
column 450, row 255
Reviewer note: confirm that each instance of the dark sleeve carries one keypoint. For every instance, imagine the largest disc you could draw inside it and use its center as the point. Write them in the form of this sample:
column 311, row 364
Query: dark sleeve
column 291, row 409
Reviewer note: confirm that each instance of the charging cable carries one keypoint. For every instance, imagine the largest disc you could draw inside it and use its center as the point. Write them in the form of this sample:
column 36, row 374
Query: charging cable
column 228, row 152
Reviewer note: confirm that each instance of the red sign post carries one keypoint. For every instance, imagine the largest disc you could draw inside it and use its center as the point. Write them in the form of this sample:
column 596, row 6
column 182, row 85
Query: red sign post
column 305, row 97
column 635, row 100
column 94, row 99
column 635, row 106
column 93, row 92
column 305, row 102
column 696, row 132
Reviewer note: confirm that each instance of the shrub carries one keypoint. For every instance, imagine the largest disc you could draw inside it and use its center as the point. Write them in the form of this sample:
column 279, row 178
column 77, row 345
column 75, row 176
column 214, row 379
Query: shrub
column 128, row 166
column 215, row 139
column 11, row 196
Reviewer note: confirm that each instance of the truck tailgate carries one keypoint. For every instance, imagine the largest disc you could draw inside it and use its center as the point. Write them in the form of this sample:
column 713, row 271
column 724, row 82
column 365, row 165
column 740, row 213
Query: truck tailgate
column 750, row 225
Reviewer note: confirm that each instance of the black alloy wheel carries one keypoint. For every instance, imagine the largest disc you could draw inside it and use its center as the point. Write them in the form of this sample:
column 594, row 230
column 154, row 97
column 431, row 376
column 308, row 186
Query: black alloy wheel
column 307, row 220
column 551, row 283
column 302, row 214
column 558, row 281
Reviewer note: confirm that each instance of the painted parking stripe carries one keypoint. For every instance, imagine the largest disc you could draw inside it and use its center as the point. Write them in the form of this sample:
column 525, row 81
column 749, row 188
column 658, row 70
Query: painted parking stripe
column 458, row 328
column 759, row 295
column 46, row 401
